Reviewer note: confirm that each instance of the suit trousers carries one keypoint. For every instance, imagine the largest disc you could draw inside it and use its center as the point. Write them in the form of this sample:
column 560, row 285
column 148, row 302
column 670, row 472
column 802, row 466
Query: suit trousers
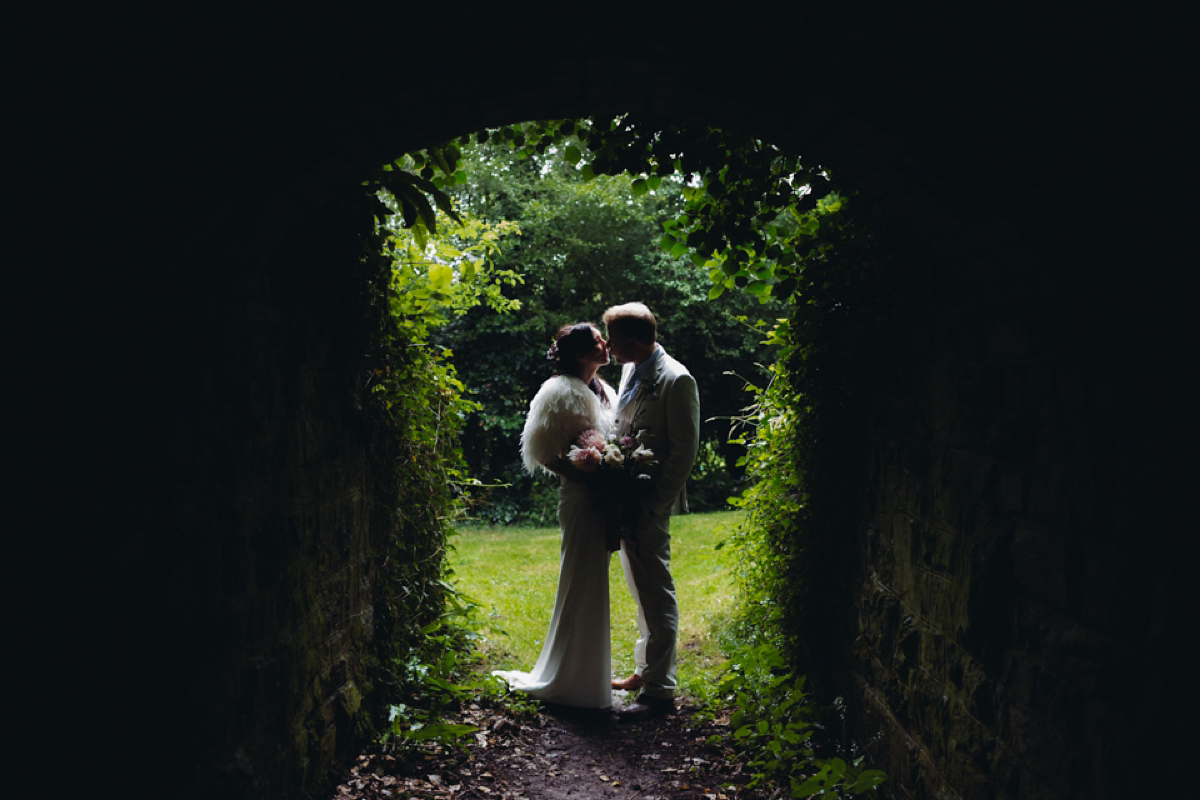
column 647, row 572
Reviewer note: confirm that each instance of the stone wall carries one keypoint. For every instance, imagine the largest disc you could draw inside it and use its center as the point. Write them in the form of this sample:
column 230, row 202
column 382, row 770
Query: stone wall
column 232, row 611
column 1012, row 542
column 295, row 533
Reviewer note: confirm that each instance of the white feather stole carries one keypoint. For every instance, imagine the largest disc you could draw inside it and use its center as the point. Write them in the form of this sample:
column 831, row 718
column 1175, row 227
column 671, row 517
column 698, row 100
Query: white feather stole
column 561, row 410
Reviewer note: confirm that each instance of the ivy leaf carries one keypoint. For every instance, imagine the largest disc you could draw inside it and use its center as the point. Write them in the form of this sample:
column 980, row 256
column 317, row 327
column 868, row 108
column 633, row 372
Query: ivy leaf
column 867, row 779
column 811, row 786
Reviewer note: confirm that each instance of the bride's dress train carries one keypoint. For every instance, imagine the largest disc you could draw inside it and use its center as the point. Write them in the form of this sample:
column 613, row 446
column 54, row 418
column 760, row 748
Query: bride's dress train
column 574, row 667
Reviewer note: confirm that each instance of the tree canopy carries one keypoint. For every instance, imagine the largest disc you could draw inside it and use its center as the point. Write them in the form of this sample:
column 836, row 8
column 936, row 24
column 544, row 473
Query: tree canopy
column 585, row 243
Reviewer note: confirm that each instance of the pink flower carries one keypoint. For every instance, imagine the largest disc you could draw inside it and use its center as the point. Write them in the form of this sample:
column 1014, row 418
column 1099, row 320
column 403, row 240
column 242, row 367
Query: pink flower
column 585, row 458
column 592, row 439
column 628, row 442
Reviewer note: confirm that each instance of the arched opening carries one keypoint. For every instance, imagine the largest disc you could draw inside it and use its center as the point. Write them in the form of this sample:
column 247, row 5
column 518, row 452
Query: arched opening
column 223, row 484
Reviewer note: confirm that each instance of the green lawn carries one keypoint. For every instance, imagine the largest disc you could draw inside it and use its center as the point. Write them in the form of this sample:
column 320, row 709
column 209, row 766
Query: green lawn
column 512, row 573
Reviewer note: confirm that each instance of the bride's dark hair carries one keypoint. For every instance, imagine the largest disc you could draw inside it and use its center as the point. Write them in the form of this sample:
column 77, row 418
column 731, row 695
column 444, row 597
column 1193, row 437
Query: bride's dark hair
column 570, row 343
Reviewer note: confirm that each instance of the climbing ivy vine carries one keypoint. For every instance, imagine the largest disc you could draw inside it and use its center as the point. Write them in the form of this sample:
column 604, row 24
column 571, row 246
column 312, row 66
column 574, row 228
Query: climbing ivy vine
column 426, row 274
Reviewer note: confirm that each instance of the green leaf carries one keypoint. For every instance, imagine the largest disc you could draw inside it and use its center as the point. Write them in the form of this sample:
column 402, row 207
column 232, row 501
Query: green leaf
column 436, row 156
column 441, row 277
column 639, row 187
column 428, row 215
column 408, row 211
column 571, row 154
column 867, row 779
column 811, row 786
column 441, row 198
column 439, row 730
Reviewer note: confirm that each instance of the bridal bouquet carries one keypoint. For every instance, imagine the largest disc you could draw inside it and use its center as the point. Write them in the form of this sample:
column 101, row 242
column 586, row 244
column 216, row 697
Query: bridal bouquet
column 620, row 481
column 593, row 450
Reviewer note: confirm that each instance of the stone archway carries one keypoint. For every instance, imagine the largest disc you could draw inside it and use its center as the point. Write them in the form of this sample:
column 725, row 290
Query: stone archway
column 222, row 481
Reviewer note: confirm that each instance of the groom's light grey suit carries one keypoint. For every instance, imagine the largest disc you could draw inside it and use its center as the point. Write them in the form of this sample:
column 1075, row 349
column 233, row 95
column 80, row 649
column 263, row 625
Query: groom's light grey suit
column 666, row 404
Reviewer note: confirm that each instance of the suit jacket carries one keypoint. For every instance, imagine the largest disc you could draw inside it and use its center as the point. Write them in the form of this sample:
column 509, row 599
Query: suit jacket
column 667, row 405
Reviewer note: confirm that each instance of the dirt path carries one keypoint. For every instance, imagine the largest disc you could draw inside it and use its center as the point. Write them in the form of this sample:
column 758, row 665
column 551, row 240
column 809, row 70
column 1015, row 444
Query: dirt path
column 560, row 754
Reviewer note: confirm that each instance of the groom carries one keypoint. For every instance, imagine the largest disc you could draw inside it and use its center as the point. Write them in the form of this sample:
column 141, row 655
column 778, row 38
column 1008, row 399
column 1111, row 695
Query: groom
column 657, row 394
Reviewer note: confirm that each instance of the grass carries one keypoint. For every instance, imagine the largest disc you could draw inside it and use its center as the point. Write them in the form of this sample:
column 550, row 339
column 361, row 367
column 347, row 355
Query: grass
column 513, row 573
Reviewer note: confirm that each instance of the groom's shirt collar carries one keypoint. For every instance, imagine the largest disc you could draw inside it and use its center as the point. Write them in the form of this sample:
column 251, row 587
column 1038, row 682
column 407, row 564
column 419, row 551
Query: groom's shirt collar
column 646, row 367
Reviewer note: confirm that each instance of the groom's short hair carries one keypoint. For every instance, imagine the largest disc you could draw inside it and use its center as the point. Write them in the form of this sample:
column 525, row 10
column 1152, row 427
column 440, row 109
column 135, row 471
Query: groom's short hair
column 633, row 320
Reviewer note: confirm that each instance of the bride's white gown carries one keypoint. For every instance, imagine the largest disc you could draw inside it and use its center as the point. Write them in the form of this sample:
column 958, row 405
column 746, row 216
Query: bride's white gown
column 574, row 667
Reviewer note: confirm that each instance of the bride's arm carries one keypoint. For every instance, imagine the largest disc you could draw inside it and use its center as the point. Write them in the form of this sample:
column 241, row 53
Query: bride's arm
column 559, row 413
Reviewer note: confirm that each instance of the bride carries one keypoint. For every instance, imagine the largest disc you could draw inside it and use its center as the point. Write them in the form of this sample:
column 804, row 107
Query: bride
column 574, row 667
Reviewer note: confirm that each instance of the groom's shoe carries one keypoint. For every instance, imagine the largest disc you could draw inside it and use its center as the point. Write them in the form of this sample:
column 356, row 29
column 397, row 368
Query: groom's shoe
column 632, row 683
column 646, row 707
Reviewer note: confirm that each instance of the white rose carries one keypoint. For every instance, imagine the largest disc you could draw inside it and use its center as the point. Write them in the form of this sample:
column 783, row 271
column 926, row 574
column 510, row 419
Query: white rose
column 613, row 456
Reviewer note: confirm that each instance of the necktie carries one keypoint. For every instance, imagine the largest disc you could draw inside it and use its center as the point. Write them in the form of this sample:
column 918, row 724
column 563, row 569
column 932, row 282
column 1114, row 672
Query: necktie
column 629, row 390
